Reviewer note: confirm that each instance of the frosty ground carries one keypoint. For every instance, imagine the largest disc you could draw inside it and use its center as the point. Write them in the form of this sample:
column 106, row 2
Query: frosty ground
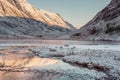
column 59, row 61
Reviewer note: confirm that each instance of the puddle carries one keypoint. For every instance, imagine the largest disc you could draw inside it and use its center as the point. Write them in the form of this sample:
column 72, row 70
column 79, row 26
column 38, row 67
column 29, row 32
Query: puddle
column 17, row 65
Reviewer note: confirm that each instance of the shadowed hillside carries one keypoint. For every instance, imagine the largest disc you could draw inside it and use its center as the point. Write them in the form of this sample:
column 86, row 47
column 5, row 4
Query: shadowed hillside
column 26, row 27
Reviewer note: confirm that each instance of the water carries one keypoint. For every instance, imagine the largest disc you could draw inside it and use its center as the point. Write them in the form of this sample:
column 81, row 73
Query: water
column 17, row 63
column 11, row 54
column 54, row 42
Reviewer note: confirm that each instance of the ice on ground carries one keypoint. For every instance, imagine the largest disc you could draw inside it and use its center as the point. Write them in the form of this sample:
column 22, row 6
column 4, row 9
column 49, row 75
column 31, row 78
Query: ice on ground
column 62, row 61
column 31, row 67
column 105, row 58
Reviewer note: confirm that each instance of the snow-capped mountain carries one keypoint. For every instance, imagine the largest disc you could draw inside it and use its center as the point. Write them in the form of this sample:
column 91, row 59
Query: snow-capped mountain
column 19, row 18
column 104, row 26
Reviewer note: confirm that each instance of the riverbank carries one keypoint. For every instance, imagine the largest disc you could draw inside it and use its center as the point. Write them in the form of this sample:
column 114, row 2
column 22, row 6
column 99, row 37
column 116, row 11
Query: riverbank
column 46, row 60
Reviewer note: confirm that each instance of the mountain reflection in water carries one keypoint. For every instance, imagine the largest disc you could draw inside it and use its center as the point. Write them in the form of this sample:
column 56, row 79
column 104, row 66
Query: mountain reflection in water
column 8, row 59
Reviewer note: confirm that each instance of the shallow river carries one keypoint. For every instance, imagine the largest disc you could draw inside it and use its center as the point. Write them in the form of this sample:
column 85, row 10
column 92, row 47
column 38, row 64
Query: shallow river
column 15, row 60
column 55, row 42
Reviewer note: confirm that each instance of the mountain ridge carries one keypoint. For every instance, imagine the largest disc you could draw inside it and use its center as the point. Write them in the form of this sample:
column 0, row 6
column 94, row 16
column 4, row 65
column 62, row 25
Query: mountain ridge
column 104, row 26
column 19, row 18
column 42, row 15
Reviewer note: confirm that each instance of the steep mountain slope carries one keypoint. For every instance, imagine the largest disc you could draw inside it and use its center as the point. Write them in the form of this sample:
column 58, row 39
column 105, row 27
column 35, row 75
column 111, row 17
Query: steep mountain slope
column 6, row 9
column 19, row 18
column 45, row 16
column 104, row 26
column 26, row 27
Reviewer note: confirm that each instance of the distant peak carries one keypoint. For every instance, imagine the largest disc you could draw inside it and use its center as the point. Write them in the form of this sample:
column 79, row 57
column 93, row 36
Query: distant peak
column 22, row 7
column 115, row 1
column 17, row 0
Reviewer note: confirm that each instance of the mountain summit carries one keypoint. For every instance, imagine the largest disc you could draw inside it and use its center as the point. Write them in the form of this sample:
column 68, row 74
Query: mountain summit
column 104, row 26
column 42, row 15
column 18, row 16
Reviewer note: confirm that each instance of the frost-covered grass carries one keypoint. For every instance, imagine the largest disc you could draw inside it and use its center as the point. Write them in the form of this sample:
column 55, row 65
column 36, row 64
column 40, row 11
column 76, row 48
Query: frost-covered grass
column 31, row 67
column 79, row 62
column 103, row 58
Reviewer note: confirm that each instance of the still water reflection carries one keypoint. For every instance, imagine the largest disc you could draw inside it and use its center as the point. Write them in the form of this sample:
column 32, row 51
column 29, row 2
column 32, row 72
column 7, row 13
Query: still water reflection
column 56, row 42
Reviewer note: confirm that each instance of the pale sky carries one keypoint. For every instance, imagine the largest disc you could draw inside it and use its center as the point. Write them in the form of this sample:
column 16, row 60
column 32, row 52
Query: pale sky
column 77, row 12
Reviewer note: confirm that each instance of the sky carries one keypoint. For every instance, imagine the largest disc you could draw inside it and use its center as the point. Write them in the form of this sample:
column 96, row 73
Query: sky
column 77, row 12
